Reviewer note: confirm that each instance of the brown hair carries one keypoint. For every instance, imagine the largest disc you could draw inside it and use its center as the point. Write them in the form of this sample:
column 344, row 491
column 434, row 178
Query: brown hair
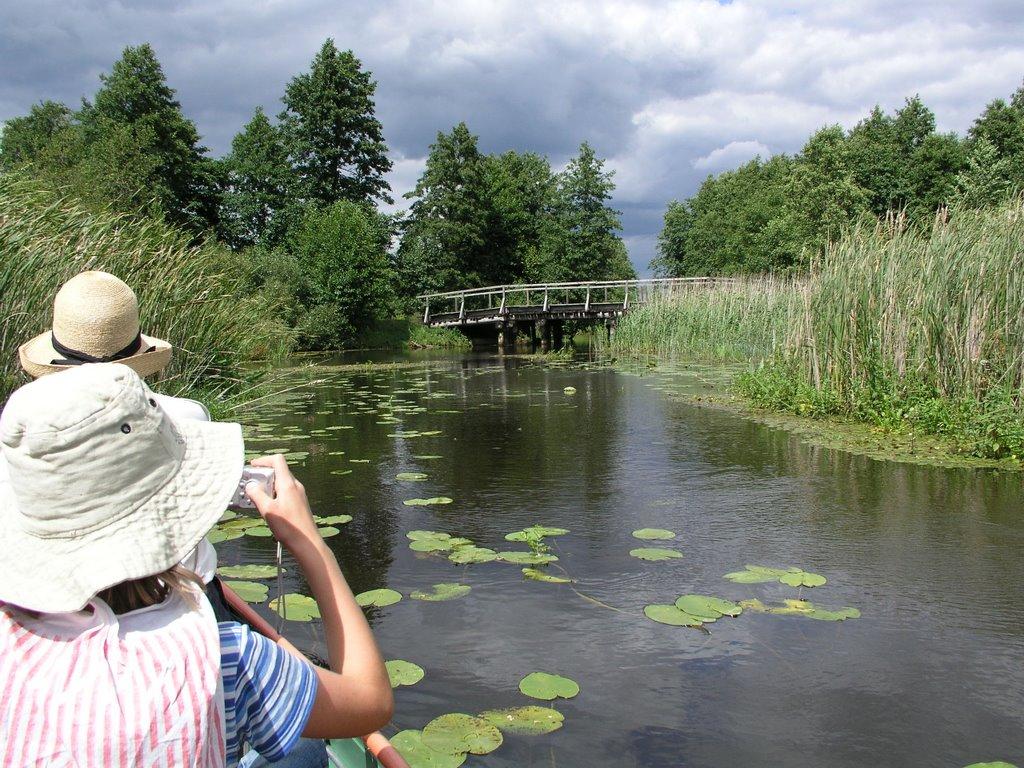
column 150, row 590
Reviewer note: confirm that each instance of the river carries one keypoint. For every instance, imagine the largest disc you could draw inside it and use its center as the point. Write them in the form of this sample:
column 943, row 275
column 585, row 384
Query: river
column 930, row 674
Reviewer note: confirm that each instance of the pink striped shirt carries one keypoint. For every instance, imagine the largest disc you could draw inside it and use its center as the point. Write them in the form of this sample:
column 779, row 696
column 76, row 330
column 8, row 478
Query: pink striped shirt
column 96, row 690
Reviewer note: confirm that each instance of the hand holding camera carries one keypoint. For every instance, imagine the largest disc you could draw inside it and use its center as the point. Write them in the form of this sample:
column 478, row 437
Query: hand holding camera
column 288, row 514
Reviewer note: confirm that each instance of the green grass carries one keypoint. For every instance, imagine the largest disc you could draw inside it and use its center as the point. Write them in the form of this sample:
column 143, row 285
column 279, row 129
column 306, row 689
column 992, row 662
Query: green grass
column 191, row 295
column 904, row 329
column 403, row 333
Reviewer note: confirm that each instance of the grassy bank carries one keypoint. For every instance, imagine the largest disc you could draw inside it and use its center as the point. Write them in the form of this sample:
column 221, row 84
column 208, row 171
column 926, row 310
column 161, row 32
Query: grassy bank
column 193, row 296
column 906, row 330
column 405, row 333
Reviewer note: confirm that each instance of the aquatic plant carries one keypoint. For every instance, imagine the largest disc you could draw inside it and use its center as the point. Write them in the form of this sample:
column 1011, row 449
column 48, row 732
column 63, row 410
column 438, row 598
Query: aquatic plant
column 248, row 571
column 525, row 721
column 457, row 733
column 381, row 598
column 250, row 591
column 295, row 607
column 653, row 533
column 654, row 554
column 794, row 577
column 692, row 611
column 427, row 502
column 801, row 608
column 410, row 745
column 402, row 672
column 443, row 591
column 547, row 687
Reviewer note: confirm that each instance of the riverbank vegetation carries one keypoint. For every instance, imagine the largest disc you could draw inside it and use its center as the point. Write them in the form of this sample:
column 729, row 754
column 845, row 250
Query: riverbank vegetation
column 293, row 212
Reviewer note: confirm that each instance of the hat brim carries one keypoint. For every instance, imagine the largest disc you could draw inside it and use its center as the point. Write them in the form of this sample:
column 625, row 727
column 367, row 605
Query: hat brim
column 38, row 354
column 61, row 574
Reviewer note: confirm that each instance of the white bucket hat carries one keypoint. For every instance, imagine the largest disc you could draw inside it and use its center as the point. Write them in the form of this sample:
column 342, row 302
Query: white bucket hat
column 104, row 487
column 95, row 320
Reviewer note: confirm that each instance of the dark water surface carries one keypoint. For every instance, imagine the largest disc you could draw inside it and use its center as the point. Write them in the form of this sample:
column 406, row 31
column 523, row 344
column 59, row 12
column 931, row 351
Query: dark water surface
column 930, row 675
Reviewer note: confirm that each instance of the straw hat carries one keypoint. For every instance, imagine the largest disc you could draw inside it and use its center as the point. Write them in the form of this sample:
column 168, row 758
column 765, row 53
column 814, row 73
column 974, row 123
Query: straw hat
column 95, row 320
column 104, row 487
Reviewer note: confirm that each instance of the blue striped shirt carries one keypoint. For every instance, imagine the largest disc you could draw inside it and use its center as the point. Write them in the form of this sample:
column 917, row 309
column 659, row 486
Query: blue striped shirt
column 268, row 693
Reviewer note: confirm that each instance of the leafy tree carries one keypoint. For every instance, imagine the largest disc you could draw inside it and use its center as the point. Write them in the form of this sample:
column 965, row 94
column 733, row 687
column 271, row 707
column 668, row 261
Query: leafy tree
column 23, row 139
column 347, row 279
column 135, row 94
column 876, row 162
column 932, row 173
column 258, row 204
column 985, row 180
column 1002, row 126
column 333, row 136
column 673, row 246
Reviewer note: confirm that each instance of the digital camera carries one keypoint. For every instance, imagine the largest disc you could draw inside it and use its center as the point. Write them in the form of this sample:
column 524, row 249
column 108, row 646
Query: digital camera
column 250, row 474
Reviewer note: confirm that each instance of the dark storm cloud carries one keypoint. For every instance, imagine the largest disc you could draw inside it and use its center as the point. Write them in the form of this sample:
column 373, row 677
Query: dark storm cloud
column 668, row 91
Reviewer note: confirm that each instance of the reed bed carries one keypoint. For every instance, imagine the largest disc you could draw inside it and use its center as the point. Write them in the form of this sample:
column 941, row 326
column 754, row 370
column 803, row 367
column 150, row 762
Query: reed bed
column 903, row 328
column 192, row 295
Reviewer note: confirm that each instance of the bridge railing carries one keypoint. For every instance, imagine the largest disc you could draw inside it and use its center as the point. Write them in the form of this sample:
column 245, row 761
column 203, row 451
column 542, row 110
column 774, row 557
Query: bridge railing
column 546, row 295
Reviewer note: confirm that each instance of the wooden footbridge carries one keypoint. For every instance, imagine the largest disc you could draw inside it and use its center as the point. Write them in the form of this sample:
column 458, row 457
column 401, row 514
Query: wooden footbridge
column 541, row 309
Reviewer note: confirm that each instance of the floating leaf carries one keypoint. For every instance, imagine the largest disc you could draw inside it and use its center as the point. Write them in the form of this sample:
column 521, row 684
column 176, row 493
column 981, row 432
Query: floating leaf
column 569, row 390
column 456, row 733
column 468, row 555
column 410, row 745
column 526, row 721
column 538, row 575
column 526, row 558
column 260, row 531
column 798, row 578
column 216, row 536
column 327, row 531
column 411, row 476
column 296, row 607
column 378, row 597
column 541, row 685
column 670, row 614
column 228, row 515
column 706, row 608
column 341, row 471
column 241, row 523
column 431, row 545
column 801, row 608
column 250, row 591
column 403, row 672
column 444, row 591
column 427, row 502
column 248, row 571
column 653, row 533
column 535, row 532
column 794, row 577
column 334, row 520
column 654, row 553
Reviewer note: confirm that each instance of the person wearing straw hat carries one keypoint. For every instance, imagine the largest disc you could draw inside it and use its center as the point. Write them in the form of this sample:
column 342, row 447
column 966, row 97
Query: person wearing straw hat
column 109, row 655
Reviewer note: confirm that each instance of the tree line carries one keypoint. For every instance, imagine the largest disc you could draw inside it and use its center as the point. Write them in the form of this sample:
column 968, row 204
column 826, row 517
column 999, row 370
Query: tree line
column 776, row 214
column 298, row 196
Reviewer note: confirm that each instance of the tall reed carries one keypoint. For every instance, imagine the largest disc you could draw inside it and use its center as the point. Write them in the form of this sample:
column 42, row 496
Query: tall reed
column 191, row 295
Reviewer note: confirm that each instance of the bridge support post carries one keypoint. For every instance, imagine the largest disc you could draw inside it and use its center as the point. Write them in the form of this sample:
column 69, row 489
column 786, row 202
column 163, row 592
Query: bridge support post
column 609, row 326
column 506, row 336
column 557, row 331
column 543, row 329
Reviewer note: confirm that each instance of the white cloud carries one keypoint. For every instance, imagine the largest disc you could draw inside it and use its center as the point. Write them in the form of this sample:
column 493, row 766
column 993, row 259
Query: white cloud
column 733, row 154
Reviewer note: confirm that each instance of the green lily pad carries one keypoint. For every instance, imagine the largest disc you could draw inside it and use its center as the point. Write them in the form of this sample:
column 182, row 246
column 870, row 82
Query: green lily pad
column 526, row 558
column 260, row 531
column 569, row 390
column 228, row 515
column 327, row 531
column 545, row 686
column 217, row 536
column 296, row 607
column 670, row 614
column 526, row 721
column 248, row 571
column 403, row 672
column 707, row 608
column 410, row 745
column 427, row 502
column 457, row 733
column 757, row 574
column 241, row 523
column 341, row 471
column 421, row 535
column 801, row 608
column 334, row 520
column 654, row 553
column 431, row 545
column 411, row 476
column 250, row 591
column 378, row 597
column 799, row 578
column 539, row 575
column 653, row 533
column 468, row 555
column 444, row 591
column 535, row 532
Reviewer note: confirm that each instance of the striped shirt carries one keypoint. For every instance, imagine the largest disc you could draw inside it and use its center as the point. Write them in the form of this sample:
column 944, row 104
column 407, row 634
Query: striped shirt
column 268, row 693
column 93, row 689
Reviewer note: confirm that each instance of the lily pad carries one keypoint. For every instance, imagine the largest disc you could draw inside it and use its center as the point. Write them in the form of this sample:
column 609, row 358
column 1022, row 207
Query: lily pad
column 241, row 523
column 444, row 591
column 654, row 554
column 260, row 531
column 334, row 520
column 296, row 607
column 250, row 591
column 535, row 532
column 420, row 535
column 653, row 533
column 427, row 502
column 457, row 733
column 431, row 545
column 539, row 575
column 341, row 471
column 526, row 558
column 468, row 555
column 545, row 686
column 403, row 672
column 248, row 571
column 799, row 578
column 757, row 574
column 411, row 476
column 707, row 608
column 526, row 721
column 671, row 615
column 378, row 597
column 410, row 745
column 569, row 390
column 217, row 536
column 327, row 531
column 801, row 608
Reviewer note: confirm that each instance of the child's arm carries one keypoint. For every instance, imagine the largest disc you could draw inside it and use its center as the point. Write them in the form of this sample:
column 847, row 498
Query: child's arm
column 354, row 696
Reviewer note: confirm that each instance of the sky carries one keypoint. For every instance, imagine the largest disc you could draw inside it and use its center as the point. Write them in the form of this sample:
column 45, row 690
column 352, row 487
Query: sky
column 667, row 92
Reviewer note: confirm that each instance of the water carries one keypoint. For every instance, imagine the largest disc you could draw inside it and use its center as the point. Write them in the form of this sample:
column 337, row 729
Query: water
column 931, row 675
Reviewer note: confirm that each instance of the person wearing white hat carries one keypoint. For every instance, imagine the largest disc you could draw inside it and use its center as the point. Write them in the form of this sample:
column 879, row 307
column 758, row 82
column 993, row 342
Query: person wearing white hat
column 109, row 654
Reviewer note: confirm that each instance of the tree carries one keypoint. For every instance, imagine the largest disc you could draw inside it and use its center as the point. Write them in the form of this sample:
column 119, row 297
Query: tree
column 587, row 246
column 672, row 259
column 875, row 160
column 985, row 180
column 23, row 139
column 444, row 245
column 258, row 204
column 1002, row 126
column 334, row 139
column 932, row 175
column 135, row 95
column 347, row 277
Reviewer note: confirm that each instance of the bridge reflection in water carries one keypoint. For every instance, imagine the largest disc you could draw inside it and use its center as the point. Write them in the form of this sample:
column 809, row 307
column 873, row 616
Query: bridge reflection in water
column 539, row 310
